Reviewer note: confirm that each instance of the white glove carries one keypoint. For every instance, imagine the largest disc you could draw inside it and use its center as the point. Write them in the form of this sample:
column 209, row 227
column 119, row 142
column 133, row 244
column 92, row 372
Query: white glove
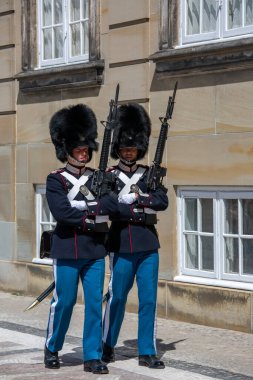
column 128, row 198
column 80, row 205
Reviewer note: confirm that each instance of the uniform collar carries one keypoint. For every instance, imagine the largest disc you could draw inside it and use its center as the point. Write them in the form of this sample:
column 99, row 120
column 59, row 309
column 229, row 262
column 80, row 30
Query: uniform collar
column 74, row 170
column 127, row 168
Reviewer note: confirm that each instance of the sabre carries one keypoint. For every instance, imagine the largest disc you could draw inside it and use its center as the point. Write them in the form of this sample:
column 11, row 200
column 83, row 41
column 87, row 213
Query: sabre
column 41, row 296
column 48, row 291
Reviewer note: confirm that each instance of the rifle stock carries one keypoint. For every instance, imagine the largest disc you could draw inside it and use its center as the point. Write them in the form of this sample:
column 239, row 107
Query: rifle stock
column 156, row 173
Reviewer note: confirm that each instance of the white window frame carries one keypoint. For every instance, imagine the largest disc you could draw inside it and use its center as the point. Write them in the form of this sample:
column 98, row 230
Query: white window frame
column 221, row 33
column 66, row 59
column 218, row 277
column 41, row 190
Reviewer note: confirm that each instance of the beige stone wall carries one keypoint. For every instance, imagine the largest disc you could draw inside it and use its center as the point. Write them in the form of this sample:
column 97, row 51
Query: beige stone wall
column 209, row 143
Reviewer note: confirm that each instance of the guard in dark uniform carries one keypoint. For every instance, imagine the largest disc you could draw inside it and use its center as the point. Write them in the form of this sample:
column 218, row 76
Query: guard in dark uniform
column 133, row 240
column 78, row 245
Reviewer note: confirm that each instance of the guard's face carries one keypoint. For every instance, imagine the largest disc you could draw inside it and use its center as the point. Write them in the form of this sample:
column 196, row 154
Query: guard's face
column 81, row 153
column 129, row 153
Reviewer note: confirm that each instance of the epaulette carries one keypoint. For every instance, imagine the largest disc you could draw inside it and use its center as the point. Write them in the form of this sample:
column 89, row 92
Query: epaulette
column 111, row 168
column 91, row 169
column 143, row 166
column 57, row 171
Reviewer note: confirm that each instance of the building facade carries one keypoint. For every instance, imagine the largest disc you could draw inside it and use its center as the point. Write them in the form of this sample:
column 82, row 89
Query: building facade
column 55, row 53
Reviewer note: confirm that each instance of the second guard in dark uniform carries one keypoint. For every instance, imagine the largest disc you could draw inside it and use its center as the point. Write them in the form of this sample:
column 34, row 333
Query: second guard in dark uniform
column 78, row 245
column 133, row 239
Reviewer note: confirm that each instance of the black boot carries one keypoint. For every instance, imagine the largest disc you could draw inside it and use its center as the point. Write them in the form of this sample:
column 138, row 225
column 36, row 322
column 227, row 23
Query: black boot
column 95, row 366
column 151, row 361
column 108, row 354
column 51, row 359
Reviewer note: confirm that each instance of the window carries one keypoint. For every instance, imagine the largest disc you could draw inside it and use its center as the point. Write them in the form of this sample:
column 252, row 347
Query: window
column 204, row 36
column 60, row 45
column 216, row 234
column 204, row 20
column 44, row 220
column 63, row 31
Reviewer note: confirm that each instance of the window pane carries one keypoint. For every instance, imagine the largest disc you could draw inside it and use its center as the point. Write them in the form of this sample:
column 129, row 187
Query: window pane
column 191, row 214
column 58, row 12
column 191, row 252
column 75, row 10
column 247, row 256
column 47, row 12
column 207, row 215
column 231, row 255
column 193, row 17
column 247, row 215
column 234, row 14
column 207, row 253
column 45, row 213
column 58, row 42
column 85, row 47
column 47, row 39
column 85, row 6
column 75, row 40
column 209, row 16
column 231, row 216
column 249, row 12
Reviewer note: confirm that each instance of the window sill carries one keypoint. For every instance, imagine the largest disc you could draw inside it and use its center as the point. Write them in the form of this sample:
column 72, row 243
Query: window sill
column 214, row 282
column 42, row 261
column 202, row 59
column 62, row 77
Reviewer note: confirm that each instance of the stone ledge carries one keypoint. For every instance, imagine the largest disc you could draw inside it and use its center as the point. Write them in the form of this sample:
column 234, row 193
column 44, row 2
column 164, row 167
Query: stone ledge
column 62, row 77
column 208, row 58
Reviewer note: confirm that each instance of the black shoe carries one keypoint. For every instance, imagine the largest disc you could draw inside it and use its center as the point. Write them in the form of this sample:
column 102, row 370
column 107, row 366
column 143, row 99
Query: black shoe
column 51, row 359
column 108, row 354
column 151, row 361
column 95, row 366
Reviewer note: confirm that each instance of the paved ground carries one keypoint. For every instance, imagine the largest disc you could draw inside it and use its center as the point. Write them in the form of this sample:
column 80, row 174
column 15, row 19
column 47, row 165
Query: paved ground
column 189, row 351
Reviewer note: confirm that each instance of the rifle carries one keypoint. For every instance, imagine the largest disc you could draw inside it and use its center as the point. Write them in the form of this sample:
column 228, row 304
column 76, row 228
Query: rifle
column 102, row 181
column 156, row 173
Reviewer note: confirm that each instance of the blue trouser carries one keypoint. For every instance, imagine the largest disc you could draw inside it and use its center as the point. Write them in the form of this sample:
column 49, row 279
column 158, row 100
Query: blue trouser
column 124, row 268
column 66, row 274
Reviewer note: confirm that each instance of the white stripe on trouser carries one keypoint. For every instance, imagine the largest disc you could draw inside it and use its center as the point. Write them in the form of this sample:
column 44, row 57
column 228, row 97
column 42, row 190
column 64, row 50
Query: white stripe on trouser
column 155, row 329
column 52, row 307
column 107, row 310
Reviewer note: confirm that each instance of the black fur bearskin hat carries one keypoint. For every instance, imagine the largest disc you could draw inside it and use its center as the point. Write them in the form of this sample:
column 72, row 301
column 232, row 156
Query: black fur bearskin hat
column 71, row 127
column 133, row 129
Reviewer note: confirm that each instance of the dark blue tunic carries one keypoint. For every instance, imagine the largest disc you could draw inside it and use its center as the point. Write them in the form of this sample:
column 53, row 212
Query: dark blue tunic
column 131, row 231
column 74, row 236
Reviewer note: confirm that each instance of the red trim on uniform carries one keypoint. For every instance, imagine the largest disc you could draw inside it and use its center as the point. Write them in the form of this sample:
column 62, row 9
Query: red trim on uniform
column 130, row 238
column 63, row 181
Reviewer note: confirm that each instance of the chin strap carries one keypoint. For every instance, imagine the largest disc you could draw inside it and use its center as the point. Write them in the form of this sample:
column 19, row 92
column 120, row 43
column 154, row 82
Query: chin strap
column 76, row 163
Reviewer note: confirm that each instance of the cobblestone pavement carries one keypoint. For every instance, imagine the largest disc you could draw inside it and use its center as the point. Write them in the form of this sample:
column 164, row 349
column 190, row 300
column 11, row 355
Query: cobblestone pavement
column 189, row 351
